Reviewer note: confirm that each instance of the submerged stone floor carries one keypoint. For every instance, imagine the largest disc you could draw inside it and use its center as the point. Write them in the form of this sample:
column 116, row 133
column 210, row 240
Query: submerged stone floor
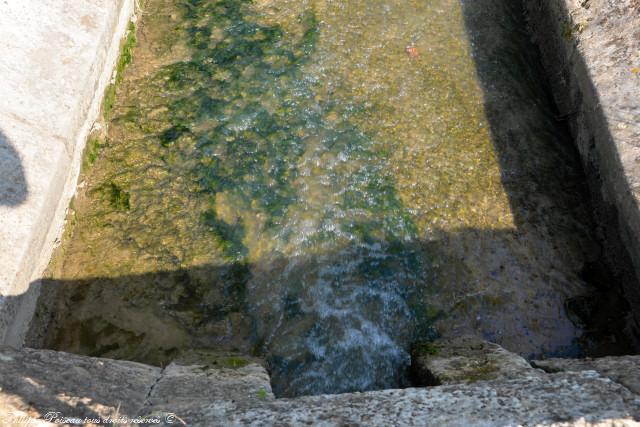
column 38, row 386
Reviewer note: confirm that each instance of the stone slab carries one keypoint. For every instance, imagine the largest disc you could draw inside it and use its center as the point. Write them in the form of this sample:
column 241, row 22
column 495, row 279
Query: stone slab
column 575, row 399
column 191, row 392
column 53, row 54
column 57, row 57
column 34, row 383
column 44, row 163
column 38, row 382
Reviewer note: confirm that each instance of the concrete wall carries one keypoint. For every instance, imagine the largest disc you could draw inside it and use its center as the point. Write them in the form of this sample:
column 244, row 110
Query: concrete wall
column 57, row 59
column 590, row 51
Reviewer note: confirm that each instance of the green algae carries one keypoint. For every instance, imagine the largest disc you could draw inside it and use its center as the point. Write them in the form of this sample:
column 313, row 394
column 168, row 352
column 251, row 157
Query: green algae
column 94, row 143
column 125, row 58
column 485, row 371
column 118, row 197
column 424, row 348
column 234, row 362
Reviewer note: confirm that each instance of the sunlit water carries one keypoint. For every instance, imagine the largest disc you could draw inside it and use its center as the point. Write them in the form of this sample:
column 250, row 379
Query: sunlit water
column 322, row 183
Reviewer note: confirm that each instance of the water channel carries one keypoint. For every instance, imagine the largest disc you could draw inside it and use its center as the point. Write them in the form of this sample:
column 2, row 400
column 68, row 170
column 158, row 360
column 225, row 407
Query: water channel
column 322, row 183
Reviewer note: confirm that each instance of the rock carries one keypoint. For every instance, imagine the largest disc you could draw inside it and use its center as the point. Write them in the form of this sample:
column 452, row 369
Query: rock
column 465, row 360
column 621, row 369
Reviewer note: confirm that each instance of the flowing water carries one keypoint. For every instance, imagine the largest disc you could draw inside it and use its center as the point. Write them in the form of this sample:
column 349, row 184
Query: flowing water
column 322, row 183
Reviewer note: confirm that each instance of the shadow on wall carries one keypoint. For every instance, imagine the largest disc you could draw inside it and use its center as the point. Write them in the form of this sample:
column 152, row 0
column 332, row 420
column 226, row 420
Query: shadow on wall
column 13, row 184
column 524, row 133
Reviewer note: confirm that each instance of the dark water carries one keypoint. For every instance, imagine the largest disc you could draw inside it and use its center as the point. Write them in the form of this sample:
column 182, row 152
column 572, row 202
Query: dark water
column 322, row 183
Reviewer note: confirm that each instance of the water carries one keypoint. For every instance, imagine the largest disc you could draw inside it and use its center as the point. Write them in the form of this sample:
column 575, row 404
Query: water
column 283, row 178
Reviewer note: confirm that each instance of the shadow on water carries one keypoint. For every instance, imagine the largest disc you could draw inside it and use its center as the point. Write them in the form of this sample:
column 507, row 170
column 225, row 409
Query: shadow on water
column 326, row 323
column 342, row 316
column 13, row 184
column 150, row 318
column 508, row 62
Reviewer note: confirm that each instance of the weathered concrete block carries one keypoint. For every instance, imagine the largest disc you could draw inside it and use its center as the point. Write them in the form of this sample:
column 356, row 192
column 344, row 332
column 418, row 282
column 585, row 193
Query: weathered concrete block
column 576, row 399
column 35, row 383
column 203, row 395
column 23, row 226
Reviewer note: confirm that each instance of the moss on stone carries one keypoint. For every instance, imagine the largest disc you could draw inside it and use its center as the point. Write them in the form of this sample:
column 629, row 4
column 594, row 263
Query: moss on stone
column 482, row 371
column 94, row 143
column 233, row 362
column 118, row 197
column 424, row 348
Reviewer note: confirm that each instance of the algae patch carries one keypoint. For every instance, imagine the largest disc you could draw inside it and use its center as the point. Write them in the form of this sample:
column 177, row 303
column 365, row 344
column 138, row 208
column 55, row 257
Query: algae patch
column 125, row 58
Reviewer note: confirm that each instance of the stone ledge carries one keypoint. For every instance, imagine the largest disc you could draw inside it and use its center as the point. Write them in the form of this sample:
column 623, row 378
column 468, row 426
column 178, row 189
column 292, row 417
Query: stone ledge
column 566, row 399
column 34, row 382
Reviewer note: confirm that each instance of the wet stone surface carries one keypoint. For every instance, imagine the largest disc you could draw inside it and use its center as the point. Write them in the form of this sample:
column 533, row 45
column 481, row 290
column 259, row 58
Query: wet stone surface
column 321, row 184
column 589, row 49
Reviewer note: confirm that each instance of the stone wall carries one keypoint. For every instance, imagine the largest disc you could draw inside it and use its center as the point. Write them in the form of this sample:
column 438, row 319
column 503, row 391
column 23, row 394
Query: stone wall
column 57, row 59
column 590, row 51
